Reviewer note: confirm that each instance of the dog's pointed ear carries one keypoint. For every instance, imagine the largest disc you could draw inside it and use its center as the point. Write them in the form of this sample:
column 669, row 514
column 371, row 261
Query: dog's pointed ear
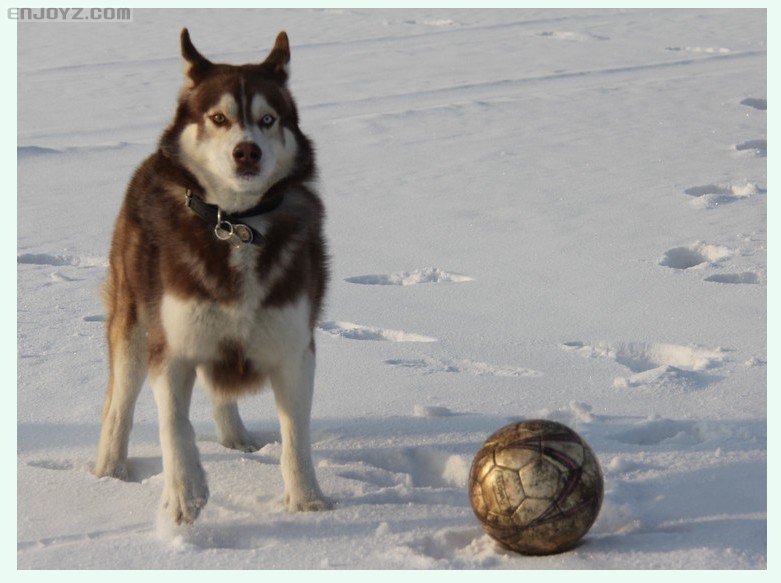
column 195, row 64
column 278, row 60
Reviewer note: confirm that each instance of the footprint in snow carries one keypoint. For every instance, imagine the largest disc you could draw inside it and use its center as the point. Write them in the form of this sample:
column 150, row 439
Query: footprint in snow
column 59, row 260
column 655, row 365
column 756, row 103
column 430, row 412
column 707, row 50
column 757, row 147
column 573, row 36
column 757, row 277
column 700, row 255
column 429, row 365
column 61, row 277
column 434, row 22
column 359, row 332
column 427, row 275
column 661, row 431
column 59, row 465
column 418, row 467
column 694, row 255
column 712, row 195
column 469, row 545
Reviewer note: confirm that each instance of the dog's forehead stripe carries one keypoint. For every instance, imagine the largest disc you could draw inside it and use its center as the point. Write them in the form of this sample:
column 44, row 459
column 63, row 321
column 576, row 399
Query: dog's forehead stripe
column 246, row 120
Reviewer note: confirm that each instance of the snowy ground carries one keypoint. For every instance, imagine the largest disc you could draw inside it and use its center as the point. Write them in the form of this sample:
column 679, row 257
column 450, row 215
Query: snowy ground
column 531, row 213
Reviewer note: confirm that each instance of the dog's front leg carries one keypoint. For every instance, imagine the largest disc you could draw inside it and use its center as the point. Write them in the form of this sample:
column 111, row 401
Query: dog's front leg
column 185, row 491
column 293, row 385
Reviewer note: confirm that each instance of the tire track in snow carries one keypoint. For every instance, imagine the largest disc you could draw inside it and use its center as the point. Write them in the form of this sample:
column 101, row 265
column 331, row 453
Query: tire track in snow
column 55, row 541
column 318, row 46
column 470, row 92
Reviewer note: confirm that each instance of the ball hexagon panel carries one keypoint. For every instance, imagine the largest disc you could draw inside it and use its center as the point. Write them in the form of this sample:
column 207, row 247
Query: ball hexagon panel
column 502, row 490
column 515, row 458
column 541, row 479
column 530, row 510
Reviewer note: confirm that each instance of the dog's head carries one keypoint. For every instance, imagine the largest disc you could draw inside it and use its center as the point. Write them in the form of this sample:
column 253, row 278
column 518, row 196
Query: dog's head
column 236, row 126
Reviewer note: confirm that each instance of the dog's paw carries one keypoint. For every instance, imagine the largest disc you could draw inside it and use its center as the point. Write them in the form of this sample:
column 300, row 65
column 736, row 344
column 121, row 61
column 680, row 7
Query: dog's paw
column 315, row 503
column 111, row 470
column 245, row 443
column 184, row 497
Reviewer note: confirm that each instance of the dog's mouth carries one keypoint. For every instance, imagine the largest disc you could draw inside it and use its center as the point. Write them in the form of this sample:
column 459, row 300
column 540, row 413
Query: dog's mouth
column 248, row 173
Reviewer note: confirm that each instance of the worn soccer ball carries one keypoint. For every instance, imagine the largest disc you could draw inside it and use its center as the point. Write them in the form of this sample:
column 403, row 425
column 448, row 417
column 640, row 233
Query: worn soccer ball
column 536, row 487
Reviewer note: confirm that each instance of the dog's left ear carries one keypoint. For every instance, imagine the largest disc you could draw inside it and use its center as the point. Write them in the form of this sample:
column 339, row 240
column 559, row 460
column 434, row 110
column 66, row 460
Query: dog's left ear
column 278, row 60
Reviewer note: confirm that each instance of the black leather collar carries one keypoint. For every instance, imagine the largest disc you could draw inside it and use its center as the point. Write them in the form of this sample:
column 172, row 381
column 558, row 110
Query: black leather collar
column 229, row 226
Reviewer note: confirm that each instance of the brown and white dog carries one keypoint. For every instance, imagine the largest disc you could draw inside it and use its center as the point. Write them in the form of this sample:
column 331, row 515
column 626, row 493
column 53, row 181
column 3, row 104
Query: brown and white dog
column 218, row 270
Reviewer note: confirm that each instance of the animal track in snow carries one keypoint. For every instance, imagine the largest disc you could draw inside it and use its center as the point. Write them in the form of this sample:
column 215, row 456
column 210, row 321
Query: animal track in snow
column 713, row 195
column 66, row 539
column 429, row 412
column 429, row 365
column 664, row 376
column 644, row 356
column 417, row 467
column 572, row 36
column 655, row 365
column 758, row 147
column 745, row 277
column 438, row 22
column 59, row 260
column 359, row 332
column 658, row 431
column 60, row 278
column 427, row 275
column 95, row 318
column 469, row 545
column 697, row 253
column 755, row 102
column 51, row 464
column 708, row 50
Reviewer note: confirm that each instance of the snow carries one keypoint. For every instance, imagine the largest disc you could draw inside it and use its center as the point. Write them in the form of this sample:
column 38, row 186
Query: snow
column 531, row 213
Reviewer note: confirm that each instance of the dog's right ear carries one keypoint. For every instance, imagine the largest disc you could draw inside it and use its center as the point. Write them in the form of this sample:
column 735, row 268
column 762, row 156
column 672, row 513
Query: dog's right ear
column 195, row 64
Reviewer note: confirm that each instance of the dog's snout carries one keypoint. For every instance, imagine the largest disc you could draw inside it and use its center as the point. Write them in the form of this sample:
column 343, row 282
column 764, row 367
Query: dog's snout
column 247, row 153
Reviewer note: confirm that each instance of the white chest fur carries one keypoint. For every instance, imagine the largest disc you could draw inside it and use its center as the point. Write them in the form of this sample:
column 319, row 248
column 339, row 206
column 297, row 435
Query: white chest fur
column 195, row 328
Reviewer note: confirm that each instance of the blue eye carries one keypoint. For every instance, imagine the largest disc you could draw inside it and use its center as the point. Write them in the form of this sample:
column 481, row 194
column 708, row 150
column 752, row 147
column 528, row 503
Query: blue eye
column 267, row 120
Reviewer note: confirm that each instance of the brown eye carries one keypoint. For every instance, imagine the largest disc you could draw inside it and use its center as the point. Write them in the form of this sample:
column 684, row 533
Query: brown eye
column 267, row 121
column 218, row 119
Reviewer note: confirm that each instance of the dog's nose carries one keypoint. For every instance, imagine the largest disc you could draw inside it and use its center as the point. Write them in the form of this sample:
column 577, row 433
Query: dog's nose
column 247, row 153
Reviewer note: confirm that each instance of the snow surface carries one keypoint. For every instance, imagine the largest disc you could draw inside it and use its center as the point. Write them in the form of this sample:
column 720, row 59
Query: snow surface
column 581, row 195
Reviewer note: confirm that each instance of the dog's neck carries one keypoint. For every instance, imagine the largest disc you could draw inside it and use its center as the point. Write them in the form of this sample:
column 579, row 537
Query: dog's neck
column 227, row 200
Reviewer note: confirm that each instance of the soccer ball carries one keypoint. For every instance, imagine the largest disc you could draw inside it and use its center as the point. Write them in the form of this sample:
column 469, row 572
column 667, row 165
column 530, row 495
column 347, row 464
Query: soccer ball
column 536, row 487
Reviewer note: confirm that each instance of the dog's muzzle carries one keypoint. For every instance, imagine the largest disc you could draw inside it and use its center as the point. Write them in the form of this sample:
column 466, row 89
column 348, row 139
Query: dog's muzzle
column 247, row 157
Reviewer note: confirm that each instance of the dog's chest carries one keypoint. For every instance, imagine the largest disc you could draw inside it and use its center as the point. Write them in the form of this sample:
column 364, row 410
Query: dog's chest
column 199, row 329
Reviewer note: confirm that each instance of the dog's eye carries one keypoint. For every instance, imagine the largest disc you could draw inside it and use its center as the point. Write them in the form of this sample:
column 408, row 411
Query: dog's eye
column 267, row 121
column 218, row 119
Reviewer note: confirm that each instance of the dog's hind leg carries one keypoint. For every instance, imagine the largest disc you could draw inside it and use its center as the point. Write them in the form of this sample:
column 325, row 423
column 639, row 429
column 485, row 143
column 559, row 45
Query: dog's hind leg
column 127, row 369
column 293, row 384
column 231, row 432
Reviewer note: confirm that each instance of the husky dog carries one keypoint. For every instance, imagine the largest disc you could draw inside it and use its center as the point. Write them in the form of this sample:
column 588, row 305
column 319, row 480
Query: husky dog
column 218, row 270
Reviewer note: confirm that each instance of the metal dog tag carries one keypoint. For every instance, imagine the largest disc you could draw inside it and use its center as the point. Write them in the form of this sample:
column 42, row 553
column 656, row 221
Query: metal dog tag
column 244, row 233
column 237, row 235
column 224, row 231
